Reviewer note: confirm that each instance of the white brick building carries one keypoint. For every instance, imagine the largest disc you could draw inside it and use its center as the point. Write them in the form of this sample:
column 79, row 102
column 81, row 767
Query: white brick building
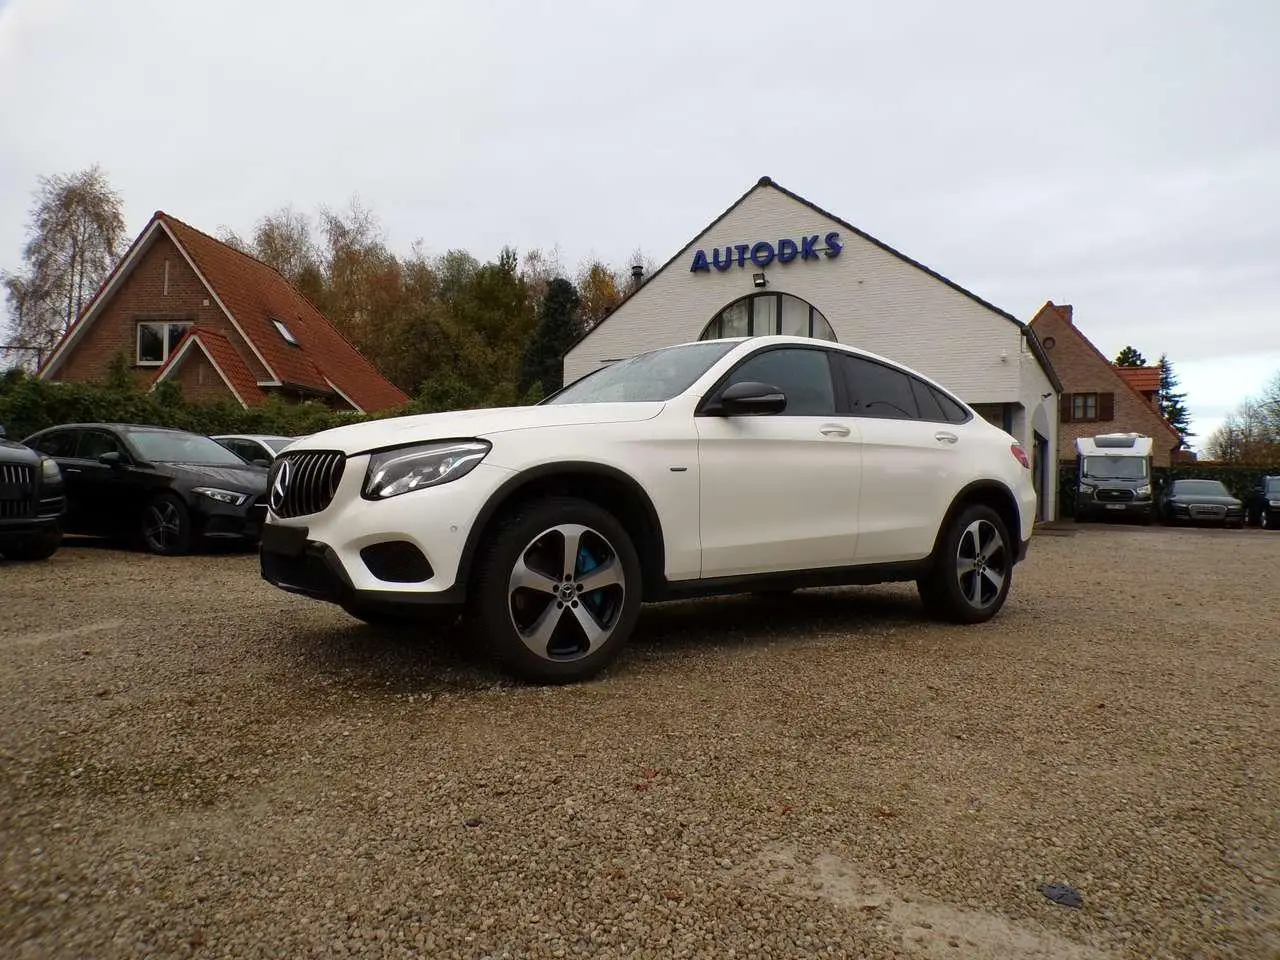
column 824, row 277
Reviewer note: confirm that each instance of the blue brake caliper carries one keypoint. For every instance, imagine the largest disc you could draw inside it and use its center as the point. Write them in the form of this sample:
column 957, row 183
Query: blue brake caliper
column 587, row 563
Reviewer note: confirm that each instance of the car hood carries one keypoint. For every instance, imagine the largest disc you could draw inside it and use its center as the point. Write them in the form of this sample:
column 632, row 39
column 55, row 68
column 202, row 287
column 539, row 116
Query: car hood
column 1204, row 498
column 245, row 479
column 11, row 452
column 461, row 424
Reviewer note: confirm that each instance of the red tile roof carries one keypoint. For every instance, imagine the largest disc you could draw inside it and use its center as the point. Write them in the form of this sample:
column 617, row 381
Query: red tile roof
column 224, row 357
column 1142, row 379
column 255, row 294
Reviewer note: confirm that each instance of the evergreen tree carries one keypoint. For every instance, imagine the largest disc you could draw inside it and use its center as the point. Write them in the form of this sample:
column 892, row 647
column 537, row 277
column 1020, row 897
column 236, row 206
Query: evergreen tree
column 1130, row 357
column 1171, row 402
column 558, row 327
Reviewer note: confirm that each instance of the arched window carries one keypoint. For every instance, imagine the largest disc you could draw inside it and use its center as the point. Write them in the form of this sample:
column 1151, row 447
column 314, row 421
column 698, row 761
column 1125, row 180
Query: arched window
column 761, row 314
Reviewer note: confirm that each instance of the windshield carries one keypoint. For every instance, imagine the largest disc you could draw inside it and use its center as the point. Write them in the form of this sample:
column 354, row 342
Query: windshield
column 1272, row 486
column 1199, row 488
column 659, row 375
column 172, row 447
column 1116, row 468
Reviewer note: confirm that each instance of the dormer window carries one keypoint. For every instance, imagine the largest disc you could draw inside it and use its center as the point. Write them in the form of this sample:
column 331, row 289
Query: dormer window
column 284, row 332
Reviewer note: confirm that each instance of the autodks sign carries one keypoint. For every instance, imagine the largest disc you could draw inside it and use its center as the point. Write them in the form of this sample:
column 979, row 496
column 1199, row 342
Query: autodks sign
column 764, row 252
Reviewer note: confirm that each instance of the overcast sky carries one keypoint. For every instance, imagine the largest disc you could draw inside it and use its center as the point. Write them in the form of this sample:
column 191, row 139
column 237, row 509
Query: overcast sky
column 1123, row 157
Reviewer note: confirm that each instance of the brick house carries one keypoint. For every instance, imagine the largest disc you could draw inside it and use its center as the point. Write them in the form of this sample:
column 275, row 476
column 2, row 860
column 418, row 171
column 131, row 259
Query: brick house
column 1099, row 397
column 184, row 306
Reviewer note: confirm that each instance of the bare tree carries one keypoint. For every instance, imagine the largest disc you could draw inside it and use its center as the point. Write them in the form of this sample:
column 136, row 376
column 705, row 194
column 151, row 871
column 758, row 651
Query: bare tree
column 75, row 235
column 1251, row 433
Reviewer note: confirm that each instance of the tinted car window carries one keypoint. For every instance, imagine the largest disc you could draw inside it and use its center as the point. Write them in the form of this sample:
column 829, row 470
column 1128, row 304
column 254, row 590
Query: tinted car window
column 804, row 376
column 94, row 443
column 878, row 391
column 927, row 401
column 950, row 409
column 57, row 443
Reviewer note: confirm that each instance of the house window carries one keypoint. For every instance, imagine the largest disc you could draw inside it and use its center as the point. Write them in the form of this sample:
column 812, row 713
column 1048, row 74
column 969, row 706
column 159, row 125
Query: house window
column 763, row 314
column 1084, row 406
column 1087, row 407
column 284, row 331
column 156, row 340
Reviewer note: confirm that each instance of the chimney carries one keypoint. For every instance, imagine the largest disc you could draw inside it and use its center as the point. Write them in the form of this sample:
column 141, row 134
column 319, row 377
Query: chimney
column 637, row 275
column 1065, row 310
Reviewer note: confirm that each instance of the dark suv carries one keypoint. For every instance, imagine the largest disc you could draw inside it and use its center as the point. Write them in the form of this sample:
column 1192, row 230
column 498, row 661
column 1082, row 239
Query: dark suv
column 31, row 503
column 1262, row 505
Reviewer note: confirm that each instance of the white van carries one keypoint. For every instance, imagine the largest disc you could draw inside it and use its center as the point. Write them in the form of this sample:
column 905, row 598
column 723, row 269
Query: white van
column 1114, row 471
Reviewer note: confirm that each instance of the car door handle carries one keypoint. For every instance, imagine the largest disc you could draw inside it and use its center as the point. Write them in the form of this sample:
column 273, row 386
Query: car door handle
column 833, row 430
column 942, row 436
column 70, row 469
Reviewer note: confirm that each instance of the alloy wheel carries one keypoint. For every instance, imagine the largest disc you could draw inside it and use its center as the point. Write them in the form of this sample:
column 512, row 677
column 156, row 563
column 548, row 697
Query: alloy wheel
column 163, row 527
column 982, row 564
column 566, row 591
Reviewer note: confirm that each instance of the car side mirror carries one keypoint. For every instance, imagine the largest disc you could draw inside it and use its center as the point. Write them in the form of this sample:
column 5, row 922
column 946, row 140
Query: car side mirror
column 750, row 398
column 111, row 458
column 259, row 462
column 3, row 435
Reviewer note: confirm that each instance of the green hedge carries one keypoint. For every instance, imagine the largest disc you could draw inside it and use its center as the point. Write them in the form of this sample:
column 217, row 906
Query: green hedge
column 1239, row 480
column 28, row 405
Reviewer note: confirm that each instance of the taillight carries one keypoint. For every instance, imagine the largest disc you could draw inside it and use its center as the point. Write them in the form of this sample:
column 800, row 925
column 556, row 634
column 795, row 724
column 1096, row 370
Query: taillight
column 1020, row 455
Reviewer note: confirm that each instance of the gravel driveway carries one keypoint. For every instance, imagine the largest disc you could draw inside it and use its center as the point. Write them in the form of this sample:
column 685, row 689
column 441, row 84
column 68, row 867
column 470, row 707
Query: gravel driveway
column 194, row 764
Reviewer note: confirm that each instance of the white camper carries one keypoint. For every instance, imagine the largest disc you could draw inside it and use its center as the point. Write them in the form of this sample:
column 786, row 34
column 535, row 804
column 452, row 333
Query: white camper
column 1114, row 471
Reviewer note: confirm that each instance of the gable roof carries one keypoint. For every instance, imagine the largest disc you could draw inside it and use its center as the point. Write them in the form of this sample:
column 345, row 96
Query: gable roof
column 1033, row 342
column 1063, row 312
column 253, row 294
column 225, row 360
column 1142, row 379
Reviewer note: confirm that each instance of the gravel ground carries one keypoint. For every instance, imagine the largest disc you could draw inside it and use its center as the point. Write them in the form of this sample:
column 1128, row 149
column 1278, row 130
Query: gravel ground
column 194, row 764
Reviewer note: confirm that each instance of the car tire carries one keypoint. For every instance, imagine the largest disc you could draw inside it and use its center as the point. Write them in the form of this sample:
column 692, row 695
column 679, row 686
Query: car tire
column 33, row 547
column 534, row 607
column 416, row 615
column 1266, row 521
column 165, row 528
column 953, row 593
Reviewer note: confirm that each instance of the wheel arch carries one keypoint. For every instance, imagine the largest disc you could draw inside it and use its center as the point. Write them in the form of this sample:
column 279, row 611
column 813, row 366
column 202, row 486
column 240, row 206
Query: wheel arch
column 606, row 486
column 993, row 494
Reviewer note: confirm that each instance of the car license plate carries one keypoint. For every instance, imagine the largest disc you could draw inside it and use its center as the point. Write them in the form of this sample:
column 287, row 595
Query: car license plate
column 1115, row 506
column 290, row 541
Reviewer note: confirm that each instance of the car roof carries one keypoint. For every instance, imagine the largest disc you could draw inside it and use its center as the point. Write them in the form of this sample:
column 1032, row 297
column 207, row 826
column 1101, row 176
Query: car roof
column 251, row 436
column 110, row 425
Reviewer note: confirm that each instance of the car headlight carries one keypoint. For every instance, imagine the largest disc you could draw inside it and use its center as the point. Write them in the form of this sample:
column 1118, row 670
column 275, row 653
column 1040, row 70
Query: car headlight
column 1274, row 503
column 393, row 472
column 222, row 496
column 1143, row 491
column 50, row 470
column 1086, row 488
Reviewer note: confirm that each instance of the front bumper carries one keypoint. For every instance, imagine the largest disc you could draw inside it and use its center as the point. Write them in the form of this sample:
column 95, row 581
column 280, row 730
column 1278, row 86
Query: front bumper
column 331, row 555
column 1126, row 508
column 220, row 520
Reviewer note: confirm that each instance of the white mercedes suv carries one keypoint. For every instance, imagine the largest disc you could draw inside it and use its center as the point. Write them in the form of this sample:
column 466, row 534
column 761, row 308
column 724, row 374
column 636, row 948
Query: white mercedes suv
column 722, row 466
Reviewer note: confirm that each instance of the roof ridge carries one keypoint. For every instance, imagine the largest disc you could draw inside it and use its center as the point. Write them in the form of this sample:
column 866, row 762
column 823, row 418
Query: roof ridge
column 229, row 246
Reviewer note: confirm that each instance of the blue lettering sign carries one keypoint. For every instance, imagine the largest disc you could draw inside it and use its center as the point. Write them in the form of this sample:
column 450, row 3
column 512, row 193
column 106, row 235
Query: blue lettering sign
column 764, row 252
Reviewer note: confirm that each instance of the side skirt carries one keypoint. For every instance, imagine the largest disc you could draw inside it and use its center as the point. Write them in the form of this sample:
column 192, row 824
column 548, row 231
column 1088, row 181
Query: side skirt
column 863, row 575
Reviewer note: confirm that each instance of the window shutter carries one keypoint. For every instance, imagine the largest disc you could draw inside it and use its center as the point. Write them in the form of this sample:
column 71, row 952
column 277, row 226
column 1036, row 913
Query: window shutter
column 1106, row 406
column 1064, row 408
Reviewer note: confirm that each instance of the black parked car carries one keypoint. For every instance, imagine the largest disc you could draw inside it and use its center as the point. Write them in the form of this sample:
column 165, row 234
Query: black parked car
column 162, row 488
column 31, row 503
column 1201, row 501
column 1262, row 506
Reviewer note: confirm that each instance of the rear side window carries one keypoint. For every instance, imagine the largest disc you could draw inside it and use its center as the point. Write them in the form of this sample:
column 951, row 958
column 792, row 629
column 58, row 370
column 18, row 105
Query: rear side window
column 952, row 411
column 878, row 391
column 58, row 443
